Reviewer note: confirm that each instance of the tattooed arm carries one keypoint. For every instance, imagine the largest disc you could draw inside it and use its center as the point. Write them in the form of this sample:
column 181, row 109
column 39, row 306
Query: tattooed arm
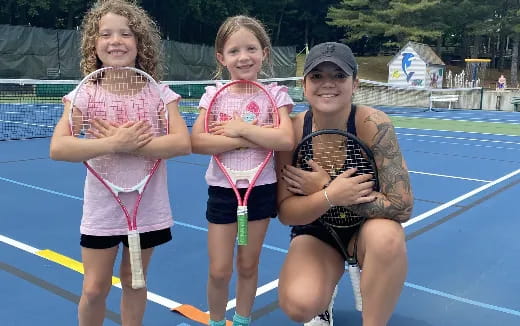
column 395, row 200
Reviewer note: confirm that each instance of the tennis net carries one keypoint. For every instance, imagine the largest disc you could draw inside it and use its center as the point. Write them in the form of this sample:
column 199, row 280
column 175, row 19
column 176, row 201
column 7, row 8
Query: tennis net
column 31, row 108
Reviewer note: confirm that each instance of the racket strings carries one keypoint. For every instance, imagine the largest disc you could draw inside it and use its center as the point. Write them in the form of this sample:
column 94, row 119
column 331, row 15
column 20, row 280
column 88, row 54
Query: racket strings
column 118, row 96
column 336, row 153
column 250, row 103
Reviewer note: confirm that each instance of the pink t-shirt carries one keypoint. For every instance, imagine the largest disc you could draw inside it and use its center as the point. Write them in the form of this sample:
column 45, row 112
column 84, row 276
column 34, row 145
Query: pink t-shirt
column 214, row 176
column 102, row 215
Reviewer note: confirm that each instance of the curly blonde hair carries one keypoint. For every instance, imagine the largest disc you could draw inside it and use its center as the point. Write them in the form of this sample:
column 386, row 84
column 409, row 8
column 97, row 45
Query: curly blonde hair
column 233, row 24
column 148, row 39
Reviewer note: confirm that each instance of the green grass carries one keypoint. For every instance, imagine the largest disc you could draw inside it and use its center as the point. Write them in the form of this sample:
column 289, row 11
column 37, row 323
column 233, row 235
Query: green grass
column 371, row 68
column 454, row 125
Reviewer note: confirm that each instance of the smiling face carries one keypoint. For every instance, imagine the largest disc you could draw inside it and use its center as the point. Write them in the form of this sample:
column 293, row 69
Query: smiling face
column 328, row 88
column 116, row 44
column 242, row 55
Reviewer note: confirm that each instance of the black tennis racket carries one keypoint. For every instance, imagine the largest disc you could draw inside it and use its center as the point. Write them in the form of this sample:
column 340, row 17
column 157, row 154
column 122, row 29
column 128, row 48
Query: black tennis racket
column 337, row 151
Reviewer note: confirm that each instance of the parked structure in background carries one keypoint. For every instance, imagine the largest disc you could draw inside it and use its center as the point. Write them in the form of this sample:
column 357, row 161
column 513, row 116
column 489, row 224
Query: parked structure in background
column 416, row 65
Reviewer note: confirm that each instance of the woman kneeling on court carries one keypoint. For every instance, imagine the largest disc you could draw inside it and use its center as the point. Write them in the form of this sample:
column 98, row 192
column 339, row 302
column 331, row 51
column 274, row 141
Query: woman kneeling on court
column 316, row 261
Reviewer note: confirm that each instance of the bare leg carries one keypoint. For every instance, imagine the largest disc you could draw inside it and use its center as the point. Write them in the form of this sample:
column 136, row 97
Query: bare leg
column 133, row 302
column 247, row 266
column 98, row 265
column 309, row 275
column 382, row 253
column 221, row 243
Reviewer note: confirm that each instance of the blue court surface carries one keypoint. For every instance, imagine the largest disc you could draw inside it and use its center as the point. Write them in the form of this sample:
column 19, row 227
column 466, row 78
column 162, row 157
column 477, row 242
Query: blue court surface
column 462, row 240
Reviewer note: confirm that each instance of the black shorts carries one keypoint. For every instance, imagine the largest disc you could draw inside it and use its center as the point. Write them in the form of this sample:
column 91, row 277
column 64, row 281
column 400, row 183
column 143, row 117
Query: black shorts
column 148, row 240
column 222, row 204
column 319, row 231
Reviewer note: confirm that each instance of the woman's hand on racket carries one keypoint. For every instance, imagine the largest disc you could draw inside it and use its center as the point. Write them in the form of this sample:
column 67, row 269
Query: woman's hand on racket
column 305, row 182
column 126, row 137
column 347, row 190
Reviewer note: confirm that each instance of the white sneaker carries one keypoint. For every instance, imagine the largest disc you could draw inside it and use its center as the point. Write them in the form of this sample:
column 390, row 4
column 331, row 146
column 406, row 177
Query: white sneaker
column 326, row 318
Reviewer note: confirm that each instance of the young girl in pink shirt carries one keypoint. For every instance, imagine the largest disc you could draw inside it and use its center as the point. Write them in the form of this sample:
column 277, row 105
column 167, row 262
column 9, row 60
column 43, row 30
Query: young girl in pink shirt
column 242, row 47
column 116, row 33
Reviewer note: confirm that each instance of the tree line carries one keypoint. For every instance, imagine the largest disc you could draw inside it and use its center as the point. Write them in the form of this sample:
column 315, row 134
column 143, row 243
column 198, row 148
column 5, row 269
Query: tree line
column 456, row 29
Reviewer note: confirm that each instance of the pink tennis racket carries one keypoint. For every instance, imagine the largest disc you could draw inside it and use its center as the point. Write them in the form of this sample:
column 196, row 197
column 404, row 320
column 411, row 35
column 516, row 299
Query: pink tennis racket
column 118, row 96
column 242, row 167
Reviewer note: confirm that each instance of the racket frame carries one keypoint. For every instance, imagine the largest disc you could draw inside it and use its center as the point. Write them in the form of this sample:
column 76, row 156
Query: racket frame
column 251, row 175
column 134, row 243
column 352, row 263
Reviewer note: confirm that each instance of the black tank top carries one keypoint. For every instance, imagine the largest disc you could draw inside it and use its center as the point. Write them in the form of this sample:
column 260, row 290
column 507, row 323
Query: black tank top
column 316, row 228
column 351, row 122
column 307, row 129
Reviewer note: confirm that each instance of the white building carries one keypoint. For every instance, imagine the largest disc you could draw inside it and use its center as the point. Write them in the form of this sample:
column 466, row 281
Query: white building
column 416, row 65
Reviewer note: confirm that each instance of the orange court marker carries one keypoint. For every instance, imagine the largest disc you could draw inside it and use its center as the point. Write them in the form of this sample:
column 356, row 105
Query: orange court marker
column 195, row 314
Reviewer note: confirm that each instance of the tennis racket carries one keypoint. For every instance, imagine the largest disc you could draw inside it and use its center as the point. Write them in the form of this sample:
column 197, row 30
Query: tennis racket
column 242, row 167
column 117, row 96
column 337, row 151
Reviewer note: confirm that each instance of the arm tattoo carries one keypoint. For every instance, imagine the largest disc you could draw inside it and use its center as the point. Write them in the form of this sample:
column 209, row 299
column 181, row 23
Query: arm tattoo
column 396, row 202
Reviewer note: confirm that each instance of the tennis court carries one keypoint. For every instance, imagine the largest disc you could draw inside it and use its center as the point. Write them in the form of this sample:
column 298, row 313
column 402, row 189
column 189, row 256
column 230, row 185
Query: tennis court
column 462, row 239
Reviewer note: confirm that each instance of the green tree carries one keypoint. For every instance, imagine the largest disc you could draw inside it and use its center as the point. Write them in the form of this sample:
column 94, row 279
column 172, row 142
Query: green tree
column 514, row 33
column 389, row 22
column 44, row 13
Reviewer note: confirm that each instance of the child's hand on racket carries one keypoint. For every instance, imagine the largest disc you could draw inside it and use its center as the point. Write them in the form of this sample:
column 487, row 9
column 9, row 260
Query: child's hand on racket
column 347, row 190
column 126, row 137
column 101, row 128
column 305, row 182
column 231, row 128
column 244, row 143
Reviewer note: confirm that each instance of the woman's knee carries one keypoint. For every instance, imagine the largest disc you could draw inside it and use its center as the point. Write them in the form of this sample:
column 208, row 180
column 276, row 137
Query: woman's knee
column 385, row 240
column 299, row 303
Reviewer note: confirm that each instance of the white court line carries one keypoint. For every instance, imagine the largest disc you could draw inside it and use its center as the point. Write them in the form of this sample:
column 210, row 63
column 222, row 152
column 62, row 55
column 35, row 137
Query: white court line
column 168, row 303
column 463, row 144
column 457, row 120
column 26, row 123
column 459, row 199
column 458, row 131
column 261, row 290
column 274, row 284
column 19, row 245
column 498, row 141
column 151, row 296
column 448, row 176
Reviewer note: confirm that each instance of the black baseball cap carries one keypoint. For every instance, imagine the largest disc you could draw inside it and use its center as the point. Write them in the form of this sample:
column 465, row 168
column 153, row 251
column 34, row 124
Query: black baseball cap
column 334, row 52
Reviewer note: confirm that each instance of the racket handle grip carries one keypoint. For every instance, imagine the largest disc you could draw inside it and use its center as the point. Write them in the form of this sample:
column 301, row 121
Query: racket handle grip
column 136, row 263
column 355, row 279
column 242, row 225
